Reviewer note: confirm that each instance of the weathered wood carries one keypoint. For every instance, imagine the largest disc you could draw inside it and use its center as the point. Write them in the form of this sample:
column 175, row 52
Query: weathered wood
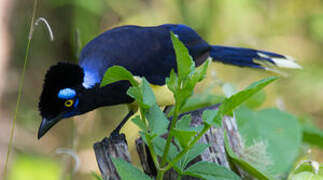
column 214, row 153
column 115, row 147
column 235, row 142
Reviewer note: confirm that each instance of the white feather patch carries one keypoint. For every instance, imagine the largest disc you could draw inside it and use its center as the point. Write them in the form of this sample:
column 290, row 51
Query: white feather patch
column 288, row 62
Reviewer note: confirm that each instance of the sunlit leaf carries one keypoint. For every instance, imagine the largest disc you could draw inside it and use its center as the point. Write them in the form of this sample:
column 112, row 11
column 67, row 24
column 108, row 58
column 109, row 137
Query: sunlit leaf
column 256, row 100
column 241, row 96
column 312, row 135
column 128, row 171
column 148, row 94
column 96, row 176
column 212, row 117
column 210, row 171
column 184, row 123
column 138, row 121
column 143, row 94
column 117, row 73
column 185, row 63
column 253, row 171
column 172, row 81
column 281, row 132
column 195, row 151
column 306, row 176
column 159, row 146
column 158, row 123
column 183, row 136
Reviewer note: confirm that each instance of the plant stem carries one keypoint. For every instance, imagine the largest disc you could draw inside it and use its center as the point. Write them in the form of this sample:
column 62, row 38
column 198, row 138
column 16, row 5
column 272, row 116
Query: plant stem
column 161, row 173
column 149, row 141
column 181, row 154
column 170, row 136
column 21, row 84
column 178, row 177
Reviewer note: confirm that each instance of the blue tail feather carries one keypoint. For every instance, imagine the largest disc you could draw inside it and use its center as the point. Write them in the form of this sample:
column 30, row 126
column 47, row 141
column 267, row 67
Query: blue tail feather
column 243, row 57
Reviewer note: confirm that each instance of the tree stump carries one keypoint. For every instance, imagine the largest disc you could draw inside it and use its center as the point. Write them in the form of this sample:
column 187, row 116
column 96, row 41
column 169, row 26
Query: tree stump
column 115, row 147
column 216, row 153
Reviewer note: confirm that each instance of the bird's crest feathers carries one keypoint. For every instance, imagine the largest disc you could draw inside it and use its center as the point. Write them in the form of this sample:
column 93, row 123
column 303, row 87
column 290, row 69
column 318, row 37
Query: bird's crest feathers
column 58, row 79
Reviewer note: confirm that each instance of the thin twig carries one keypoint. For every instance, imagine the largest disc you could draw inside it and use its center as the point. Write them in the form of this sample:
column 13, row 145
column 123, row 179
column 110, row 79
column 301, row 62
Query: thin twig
column 50, row 31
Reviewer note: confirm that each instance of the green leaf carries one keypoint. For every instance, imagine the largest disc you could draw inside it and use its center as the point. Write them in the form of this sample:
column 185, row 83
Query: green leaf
column 279, row 130
column 185, row 63
column 256, row 100
column 172, row 81
column 128, row 171
column 143, row 94
column 201, row 101
column 148, row 94
column 117, row 73
column 159, row 146
column 138, row 121
column 306, row 166
column 199, row 73
column 210, row 171
column 235, row 100
column 184, row 123
column 136, row 93
column 312, row 135
column 96, row 176
column 196, row 150
column 212, row 117
column 158, row 123
column 182, row 95
column 183, row 136
column 306, row 176
column 255, row 172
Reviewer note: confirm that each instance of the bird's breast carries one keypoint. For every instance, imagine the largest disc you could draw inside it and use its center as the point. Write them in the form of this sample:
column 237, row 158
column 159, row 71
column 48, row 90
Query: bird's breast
column 164, row 96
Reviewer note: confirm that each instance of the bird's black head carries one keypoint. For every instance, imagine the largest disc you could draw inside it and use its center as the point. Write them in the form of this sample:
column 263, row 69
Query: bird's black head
column 60, row 96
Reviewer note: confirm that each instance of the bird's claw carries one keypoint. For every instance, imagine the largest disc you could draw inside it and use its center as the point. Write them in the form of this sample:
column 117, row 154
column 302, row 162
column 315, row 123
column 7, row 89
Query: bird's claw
column 115, row 133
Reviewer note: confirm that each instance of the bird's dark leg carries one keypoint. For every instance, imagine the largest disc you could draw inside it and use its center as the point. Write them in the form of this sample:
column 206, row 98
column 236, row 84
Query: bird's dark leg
column 167, row 109
column 116, row 131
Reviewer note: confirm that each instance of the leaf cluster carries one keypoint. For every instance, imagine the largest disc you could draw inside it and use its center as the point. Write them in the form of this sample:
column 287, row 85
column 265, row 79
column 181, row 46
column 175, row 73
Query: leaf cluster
column 181, row 145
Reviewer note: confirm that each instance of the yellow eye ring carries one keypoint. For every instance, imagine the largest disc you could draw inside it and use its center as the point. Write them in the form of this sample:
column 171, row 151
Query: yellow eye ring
column 69, row 103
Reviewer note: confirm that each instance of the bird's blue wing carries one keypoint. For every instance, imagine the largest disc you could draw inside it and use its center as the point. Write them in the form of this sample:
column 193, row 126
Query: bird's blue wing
column 144, row 51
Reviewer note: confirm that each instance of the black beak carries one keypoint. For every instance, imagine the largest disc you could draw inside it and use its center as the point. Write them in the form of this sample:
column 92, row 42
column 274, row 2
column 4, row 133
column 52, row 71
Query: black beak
column 46, row 124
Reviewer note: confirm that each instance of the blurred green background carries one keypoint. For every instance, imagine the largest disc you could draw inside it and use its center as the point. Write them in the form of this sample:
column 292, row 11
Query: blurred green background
column 291, row 27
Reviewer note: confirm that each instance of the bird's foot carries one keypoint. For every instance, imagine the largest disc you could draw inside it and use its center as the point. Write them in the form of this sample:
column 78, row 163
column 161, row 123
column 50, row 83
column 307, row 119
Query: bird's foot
column 115, row 133
column 116, row 136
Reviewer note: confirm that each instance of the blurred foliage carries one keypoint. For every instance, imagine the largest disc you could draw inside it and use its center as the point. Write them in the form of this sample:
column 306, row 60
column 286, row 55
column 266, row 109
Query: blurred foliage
column 307, row 170
column 30, row 167
column 280, row 131
column 292, row 27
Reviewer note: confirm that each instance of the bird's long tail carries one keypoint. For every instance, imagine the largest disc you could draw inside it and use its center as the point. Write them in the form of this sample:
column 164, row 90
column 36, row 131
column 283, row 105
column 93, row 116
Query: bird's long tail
column 246, row 57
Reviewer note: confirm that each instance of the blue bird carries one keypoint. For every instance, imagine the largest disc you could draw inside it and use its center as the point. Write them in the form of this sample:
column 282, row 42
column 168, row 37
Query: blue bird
column 73, row 89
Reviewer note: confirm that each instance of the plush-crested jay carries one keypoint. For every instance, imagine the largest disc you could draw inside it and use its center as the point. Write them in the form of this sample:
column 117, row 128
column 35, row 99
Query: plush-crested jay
column 73, row 89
